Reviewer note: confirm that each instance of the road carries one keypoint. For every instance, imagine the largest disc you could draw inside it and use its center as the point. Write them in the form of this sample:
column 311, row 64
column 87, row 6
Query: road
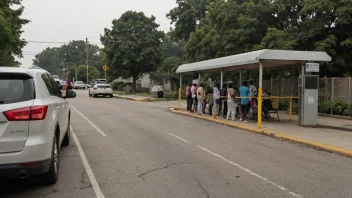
column 135, row 149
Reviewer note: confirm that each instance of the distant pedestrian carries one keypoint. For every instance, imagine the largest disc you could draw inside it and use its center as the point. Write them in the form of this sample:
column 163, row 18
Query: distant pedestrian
column 200, row 97
column 216, row 98
column 244, row 92
column 223, row 95
column 194, row 97
column 189, row 97
column 252, row 93
column 69, row 86
column 209, row 98
column 231, row 103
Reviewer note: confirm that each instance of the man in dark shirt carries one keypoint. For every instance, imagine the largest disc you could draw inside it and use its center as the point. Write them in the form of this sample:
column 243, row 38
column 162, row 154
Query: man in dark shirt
column 223, row 95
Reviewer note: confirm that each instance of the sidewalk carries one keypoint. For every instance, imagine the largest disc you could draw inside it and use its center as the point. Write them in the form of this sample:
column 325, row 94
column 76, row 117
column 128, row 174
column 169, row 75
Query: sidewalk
column 328, row 139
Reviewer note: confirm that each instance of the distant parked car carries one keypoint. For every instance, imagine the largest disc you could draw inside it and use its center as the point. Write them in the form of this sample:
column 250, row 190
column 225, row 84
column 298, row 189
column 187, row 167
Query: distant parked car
column 56, row 77
column 34, row 123
column 101, row 89
column 79, row 85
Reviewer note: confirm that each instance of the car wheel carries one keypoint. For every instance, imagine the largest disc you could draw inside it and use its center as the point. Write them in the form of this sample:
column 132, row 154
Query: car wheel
column 66, row 140
column 52, row 175
column 111, row 95
column 94, row 96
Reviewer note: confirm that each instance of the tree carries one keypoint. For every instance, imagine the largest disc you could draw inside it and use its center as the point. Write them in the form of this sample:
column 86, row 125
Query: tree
column 231, row 27
column 133, row 46
column 239, row 26
column 55, row 59
column 186, row 16
column 10, row 32
column 82, row 73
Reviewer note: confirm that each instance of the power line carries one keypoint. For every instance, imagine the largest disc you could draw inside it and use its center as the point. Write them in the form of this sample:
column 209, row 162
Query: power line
column 53, row 42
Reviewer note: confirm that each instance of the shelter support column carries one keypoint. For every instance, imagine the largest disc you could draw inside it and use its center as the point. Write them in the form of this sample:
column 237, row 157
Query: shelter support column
column 240, row 77
column 179, row 93
column 198, row 78
column 260, row 95
column 221, row 79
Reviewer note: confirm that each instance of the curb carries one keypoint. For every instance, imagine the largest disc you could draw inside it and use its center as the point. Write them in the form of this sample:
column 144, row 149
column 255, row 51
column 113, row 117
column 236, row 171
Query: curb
column 126, row 98
column 279, row 136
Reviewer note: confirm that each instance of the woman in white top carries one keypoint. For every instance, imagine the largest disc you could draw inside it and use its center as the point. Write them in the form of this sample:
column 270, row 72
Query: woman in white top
column 231, row 106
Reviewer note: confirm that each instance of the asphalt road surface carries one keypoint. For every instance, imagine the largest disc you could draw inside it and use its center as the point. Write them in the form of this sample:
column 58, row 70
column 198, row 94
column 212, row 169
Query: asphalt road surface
column 133, row 149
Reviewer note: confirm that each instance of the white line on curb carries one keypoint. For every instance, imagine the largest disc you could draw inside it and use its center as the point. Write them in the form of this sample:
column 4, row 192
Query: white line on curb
column 250, row 172
column 179, row 138
column 89, row 171
column 90, row 122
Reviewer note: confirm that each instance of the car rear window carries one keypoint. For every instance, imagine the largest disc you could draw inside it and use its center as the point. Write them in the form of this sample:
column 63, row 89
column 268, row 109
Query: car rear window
column 16, row 88
column 103, row 86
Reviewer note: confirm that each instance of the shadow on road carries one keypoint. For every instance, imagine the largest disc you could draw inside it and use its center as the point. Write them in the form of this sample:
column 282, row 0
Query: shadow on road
column 20, row 186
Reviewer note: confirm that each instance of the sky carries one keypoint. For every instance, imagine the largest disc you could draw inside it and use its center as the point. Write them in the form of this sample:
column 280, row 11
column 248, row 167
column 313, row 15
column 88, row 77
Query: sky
column 66, row 20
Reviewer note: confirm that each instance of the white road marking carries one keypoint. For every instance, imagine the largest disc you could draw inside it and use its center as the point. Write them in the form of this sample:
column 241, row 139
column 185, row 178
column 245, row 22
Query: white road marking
column 90, row 122
column 250, row 172
column 179, row 138
column 89, row 171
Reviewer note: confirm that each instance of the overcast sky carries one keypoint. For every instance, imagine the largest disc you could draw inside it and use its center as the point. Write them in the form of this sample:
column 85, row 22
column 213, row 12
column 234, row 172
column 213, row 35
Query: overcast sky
column 65, row 20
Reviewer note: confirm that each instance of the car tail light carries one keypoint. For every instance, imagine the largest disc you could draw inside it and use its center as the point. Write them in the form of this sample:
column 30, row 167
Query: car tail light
column 18, row 114
column 95, row 88
column 38, row 112
column 27, row 113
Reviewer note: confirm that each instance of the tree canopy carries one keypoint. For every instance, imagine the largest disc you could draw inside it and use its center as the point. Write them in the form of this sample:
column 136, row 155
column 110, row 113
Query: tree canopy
column 82, row 73
column 186, row 16
column 10, row 32
column 55, row 59
column 239, row 26
column 133, row 46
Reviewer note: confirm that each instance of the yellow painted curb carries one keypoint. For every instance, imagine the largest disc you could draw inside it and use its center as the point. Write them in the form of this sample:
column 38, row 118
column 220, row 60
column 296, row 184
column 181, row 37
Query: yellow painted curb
column 321, row 146
column 126, row 98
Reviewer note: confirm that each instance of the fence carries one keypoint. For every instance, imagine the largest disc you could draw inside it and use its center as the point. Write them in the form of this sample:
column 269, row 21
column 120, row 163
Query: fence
column 330, row 90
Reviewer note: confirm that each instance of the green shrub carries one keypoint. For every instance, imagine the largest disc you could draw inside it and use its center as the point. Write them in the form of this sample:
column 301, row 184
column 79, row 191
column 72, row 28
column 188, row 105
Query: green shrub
column 115, row 85
column 120, row 87
column 324, row 107
column 294, row 108
column 348, row 111
column 284, row 104
column 338, row 107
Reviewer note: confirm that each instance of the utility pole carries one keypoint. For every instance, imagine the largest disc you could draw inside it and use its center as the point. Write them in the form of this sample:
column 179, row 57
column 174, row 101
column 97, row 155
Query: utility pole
column 87, row 61
column 76, row 71
column 66, row 65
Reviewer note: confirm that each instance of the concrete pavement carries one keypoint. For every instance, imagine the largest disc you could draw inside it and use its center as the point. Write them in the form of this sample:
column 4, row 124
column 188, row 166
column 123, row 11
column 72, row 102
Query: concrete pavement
column 149, row 152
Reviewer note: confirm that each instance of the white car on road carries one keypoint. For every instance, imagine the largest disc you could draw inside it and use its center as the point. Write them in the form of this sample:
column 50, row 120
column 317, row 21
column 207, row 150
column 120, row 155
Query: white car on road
column 101, row 90
column 79, row 85
column 34, row 123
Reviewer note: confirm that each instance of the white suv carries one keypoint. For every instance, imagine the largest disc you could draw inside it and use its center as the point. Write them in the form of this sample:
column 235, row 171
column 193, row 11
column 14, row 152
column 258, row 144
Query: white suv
column 34, row 122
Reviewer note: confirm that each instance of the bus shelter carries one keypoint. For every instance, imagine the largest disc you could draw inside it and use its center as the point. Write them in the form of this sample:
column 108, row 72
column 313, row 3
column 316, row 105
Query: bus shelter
column 256, row 60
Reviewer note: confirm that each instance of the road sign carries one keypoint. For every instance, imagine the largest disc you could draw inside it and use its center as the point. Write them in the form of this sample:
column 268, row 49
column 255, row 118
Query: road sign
column 312, row 67
column 105, row 67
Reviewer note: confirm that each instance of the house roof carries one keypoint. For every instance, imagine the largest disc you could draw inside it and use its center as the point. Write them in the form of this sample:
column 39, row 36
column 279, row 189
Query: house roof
column 250, row 60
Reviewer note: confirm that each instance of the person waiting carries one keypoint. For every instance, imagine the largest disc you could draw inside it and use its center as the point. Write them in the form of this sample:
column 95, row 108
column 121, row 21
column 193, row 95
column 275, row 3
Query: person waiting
column 216, row 98
column 189, row 97
column 200, row 97
column 244, row 92
column 231, row 103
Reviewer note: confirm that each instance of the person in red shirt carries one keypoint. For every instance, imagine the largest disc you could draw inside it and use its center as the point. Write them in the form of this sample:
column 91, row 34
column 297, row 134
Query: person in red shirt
column 189, row 97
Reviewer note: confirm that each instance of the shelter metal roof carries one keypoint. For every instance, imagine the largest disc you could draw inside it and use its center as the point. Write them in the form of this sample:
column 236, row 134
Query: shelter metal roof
column 250, row 60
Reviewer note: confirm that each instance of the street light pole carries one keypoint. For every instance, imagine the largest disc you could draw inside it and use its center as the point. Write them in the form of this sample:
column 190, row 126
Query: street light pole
column 76, row 71
column 87, row 61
